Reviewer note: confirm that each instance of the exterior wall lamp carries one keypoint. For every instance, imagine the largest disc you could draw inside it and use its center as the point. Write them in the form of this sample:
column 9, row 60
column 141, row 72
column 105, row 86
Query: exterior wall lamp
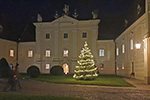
column 138, row 46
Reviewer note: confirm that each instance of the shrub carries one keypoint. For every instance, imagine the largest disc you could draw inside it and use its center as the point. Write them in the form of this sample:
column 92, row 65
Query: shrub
column 57, row 70
column 4, row 68
column 33, row 71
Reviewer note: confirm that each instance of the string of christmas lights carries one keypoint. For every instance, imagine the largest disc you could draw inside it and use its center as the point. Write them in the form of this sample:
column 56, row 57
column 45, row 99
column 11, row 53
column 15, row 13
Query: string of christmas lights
column 85, row 69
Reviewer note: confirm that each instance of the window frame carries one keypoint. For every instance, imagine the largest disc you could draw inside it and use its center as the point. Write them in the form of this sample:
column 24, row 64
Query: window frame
column 47, row 53
column 66, row 35
column 47, row 36
column 117, row 51
column 84, row 35
column 67, row 54
column 47, row 66
column 11, row 52
column 131, row 44
column 101, row 52
column 123, row 48
column 30, row 53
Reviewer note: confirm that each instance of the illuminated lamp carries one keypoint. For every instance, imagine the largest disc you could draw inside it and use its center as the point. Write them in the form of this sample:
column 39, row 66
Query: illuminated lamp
column 138, row 46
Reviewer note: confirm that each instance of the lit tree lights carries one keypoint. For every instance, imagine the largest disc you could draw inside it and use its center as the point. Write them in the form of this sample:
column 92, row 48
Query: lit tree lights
column 85, row 70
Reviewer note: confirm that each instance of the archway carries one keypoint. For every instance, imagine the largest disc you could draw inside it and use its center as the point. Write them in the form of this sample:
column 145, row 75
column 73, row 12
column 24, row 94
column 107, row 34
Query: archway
column 66, row 68
column 4, row 68
column 33, row 71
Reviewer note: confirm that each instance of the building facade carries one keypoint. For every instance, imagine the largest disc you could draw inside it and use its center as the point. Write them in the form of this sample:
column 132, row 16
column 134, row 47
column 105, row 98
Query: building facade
column 133, row 49
column 59, row 43
column 8, row 50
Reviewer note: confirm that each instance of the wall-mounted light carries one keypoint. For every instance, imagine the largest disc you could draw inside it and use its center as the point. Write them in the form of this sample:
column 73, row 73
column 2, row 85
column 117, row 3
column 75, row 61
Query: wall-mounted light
column 138, row 46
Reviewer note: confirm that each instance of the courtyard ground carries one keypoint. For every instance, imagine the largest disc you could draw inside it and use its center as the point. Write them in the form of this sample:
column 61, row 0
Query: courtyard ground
column 89, row 92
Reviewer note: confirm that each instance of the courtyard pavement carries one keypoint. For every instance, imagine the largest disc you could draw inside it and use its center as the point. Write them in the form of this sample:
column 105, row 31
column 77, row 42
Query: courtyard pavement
column 88, row 92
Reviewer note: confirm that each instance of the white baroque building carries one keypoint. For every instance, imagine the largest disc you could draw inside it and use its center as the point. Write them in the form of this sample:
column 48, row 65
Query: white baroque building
column 59, row 43
column 133, row 49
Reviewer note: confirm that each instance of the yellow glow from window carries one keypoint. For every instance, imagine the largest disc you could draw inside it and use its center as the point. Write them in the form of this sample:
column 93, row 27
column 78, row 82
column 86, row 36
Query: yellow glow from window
column 117, row 68
column 11, row 53
column 66, row 68
column 47, row 66
column 47, row 53
column 65, row 53
column 30, row 53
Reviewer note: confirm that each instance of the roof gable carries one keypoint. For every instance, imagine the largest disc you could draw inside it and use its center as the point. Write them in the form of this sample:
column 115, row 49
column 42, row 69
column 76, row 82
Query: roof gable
column 65, row 19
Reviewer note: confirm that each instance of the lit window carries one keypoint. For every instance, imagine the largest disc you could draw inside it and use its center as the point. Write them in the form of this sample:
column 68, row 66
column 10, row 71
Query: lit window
column 131, row 44
column 30, row 53
column 47, row 53
column 123, row 66
column 11, row 53
column 47, row 36
column 65, row 53
column 47, row 66
column 101, row 52
column 84, row 35
column 65, row 35
column 123, row 48
column 117, row 68
column 117, row 51
column 66, row 68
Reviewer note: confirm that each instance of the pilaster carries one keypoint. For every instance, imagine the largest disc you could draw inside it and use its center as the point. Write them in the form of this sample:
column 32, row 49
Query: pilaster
column 147, row 60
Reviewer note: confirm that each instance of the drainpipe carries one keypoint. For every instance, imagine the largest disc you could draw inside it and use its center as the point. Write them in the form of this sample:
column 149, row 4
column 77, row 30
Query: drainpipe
column 115, row 60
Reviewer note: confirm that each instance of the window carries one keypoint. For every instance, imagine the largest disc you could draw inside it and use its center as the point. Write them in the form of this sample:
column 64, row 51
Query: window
column 84, row 35
column 11, row 53
column 47, row 66
column 65, row 53
column 117, row 68
column 101, row 52
column 131, row 44
column 101, row 66
column 123, row 48
column 117, row 51
column 66, row 68
column 123, row 66
column 47, row 36
column 30, row 53
column 47, row 53
column 65, row 35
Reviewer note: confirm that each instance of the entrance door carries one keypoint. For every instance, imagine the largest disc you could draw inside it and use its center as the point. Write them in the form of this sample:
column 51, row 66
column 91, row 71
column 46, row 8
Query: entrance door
column 132, row 67
column 66, row 68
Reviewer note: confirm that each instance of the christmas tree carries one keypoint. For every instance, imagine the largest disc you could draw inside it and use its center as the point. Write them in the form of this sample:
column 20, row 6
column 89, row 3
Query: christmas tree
column 85, row 70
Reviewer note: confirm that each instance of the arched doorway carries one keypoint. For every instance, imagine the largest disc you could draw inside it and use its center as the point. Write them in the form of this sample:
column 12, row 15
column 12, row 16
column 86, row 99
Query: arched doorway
column 33, row 71
column 66, row 68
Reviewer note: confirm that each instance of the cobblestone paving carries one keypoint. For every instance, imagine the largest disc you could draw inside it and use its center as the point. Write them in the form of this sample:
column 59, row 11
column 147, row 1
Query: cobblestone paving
column 88, row 92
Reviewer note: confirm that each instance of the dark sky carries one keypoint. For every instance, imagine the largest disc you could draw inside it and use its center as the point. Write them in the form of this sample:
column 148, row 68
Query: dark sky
column 17, row 16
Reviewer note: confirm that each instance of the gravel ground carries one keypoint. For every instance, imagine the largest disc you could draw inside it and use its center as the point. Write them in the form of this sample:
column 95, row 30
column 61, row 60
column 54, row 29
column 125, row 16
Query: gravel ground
column 88, row 92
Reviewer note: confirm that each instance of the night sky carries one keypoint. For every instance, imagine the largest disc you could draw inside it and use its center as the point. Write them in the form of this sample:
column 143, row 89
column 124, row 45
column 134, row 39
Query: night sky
column 17, row 16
